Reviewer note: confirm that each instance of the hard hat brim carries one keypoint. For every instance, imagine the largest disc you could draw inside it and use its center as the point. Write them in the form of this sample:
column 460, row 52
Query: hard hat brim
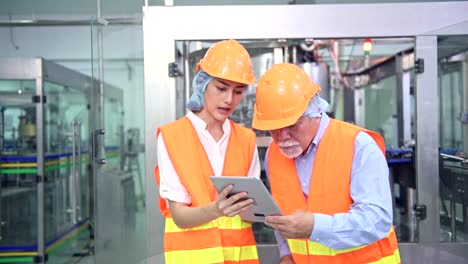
column 273, row 124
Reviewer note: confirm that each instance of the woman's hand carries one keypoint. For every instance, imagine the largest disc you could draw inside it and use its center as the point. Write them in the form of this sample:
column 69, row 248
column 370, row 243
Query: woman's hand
column 186, row 216
column 231, row 205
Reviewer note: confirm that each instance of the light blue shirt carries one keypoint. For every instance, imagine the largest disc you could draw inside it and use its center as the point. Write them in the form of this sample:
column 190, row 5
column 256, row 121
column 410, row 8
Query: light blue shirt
column 370, row 216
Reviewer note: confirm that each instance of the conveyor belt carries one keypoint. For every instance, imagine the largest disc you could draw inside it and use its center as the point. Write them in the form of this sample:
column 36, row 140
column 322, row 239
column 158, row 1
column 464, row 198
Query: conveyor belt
column 26, row 253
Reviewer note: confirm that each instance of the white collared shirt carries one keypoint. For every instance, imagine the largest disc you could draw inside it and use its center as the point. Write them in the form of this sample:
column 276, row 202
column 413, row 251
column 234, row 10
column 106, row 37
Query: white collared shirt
column 170, row 187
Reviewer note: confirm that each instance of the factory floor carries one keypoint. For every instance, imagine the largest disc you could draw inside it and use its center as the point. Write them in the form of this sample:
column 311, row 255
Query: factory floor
column 405, row 229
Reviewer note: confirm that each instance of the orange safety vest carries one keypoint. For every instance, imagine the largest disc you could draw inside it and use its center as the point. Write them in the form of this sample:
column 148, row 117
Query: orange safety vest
column 329, row 193
column 226, row 239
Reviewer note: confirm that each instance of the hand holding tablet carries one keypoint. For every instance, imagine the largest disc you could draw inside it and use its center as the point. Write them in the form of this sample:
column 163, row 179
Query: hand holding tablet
column 263, row 202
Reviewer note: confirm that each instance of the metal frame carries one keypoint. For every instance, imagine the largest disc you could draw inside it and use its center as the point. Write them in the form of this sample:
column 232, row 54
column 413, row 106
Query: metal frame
column 427, row 138
column 31, row 69
column 425, row 21
column 40, row 70
column 41, row 247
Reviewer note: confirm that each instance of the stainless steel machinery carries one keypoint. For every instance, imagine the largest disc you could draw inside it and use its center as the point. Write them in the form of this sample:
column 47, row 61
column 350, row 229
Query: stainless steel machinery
column 47, row 151
column 278, row 24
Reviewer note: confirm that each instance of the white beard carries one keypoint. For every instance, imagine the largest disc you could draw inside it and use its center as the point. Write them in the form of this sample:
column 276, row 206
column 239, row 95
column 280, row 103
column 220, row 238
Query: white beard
column 290, row 148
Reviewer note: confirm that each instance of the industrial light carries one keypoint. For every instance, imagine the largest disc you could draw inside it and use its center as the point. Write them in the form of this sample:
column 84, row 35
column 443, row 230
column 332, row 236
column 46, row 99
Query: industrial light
column 367, row 46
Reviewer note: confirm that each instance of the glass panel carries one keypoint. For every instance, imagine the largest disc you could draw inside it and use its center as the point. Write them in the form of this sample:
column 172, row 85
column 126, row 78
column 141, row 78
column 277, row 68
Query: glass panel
column 66, row 195
column 120, row 185
column 95, row 118
column 382, row 115
column 378, row 118
column 18, row 170
column 453, row 91
column 113, row 139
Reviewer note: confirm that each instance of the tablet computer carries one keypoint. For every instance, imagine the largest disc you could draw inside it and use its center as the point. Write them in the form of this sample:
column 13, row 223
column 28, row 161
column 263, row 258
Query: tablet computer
column 264, row 204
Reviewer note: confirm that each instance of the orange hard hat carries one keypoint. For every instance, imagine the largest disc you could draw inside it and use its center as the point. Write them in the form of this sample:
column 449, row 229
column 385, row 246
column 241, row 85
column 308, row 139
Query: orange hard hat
column 228, row 60
column 283, row 94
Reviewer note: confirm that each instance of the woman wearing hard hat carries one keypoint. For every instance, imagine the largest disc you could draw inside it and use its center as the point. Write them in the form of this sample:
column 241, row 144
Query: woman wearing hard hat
column 203, row 226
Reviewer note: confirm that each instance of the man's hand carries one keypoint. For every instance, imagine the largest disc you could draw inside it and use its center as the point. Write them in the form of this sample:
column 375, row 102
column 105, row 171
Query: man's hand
column 297, row 225
column 286, row 260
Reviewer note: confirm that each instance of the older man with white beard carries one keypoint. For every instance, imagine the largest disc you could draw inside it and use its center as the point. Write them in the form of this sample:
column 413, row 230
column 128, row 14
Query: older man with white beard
column 330, row 178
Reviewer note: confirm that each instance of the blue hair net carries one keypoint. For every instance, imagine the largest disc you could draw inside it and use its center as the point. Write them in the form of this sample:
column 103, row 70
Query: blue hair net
column 316, row 107
column 200, row 81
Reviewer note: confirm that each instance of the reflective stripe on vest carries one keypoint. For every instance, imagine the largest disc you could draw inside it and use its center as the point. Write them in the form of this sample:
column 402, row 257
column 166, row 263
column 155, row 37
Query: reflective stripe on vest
column 205, row 249
column 329, row 193
column 389, row 253
column 226, row 239
column 213, row 255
